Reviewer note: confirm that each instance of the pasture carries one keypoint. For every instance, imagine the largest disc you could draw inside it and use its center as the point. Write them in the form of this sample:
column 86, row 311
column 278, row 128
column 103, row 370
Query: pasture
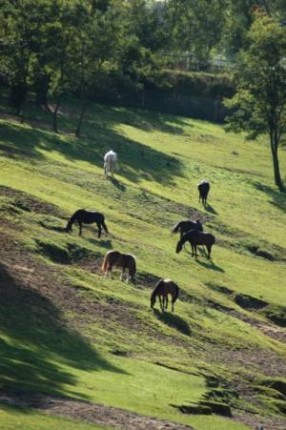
column 66, row 331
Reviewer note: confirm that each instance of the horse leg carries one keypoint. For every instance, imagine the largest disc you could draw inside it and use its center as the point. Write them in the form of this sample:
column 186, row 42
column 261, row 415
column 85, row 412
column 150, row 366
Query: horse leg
column 99, row 230
column 209, row 251
column 161, row 303
column 80, row 228
column 122, row 274
column 166, row 302
column 172, row 304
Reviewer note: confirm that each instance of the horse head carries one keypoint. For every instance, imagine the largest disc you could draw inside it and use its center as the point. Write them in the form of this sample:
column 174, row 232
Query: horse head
column 179, row 247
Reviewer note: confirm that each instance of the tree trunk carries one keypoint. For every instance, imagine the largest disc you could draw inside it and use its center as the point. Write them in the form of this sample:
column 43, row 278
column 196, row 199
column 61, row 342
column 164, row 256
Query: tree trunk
column 55, row 114
column 274, row 141
column 80, row 121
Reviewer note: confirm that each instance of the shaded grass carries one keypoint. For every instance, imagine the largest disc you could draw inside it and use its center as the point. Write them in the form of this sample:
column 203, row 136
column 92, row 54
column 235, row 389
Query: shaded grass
column 161, row 159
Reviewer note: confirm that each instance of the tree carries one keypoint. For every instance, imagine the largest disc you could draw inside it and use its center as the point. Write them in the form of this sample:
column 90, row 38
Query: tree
column 259, row 104
column 196, row 26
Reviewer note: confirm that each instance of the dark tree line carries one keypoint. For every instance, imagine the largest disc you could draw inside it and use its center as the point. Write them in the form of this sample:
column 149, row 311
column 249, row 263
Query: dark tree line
column 56, row 48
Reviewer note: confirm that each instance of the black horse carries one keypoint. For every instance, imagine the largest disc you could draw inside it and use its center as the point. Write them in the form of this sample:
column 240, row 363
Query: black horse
column 197, row 238
column 185, row 226
column 87, row 217
column 203, row 188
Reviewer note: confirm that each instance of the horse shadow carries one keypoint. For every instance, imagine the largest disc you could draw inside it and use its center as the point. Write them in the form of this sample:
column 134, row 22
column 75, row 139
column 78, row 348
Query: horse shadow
column 117, row 183
column 210, row 265
column 210, row 209
column 174, row 321
column 105, row 243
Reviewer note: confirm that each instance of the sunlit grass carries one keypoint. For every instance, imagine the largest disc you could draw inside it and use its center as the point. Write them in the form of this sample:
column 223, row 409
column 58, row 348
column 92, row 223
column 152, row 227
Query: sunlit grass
column 162, row 158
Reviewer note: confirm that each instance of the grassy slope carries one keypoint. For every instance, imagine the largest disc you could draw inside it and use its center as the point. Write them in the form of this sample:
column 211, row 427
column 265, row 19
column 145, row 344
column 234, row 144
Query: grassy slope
column 161, row 158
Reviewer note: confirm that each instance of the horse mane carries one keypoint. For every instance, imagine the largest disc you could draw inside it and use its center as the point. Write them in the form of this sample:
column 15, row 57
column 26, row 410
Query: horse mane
column 157, row 286
column 106, row 258
column 176, row 227
column 104, row 264
column 184, row 238
column 72, row 219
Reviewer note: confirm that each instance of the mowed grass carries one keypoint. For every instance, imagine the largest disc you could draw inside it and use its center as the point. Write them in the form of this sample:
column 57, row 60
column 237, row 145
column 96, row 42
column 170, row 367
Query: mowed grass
column 139, row 359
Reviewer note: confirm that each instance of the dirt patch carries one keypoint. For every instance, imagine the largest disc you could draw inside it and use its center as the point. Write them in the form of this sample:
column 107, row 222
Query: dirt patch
column 31, row 274
column 29, row 203
column 248, row 302
column 87, row 412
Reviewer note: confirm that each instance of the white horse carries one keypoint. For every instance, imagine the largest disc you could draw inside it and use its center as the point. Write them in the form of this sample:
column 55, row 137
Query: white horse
column 110, row 163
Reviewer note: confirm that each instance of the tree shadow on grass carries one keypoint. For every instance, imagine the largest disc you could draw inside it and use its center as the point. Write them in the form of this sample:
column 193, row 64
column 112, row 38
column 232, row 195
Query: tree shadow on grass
column 35, row 340
column 174, row 321
column 278, row 198
column 136, row 159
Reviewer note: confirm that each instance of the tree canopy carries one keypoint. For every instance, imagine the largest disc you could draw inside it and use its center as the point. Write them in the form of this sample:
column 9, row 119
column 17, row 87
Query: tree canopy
column 259, row 105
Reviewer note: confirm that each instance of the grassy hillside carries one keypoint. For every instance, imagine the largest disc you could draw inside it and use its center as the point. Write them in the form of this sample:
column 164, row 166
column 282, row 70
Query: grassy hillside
column 79, row 340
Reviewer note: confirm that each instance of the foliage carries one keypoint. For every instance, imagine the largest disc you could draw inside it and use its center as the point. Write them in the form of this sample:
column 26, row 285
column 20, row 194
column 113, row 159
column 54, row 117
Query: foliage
column 260, row 101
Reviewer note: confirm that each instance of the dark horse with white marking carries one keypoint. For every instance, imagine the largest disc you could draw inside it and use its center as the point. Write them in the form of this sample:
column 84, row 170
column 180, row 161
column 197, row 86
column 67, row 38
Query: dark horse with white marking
column 163, row 288
column 185, row 226
column 125, row 261
column 203, row 188
column 197, row 238
column 87, row 217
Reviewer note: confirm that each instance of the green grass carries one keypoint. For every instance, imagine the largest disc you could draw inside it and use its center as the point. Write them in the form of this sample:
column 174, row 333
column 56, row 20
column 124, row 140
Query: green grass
column 24, row 419
column 118, row 345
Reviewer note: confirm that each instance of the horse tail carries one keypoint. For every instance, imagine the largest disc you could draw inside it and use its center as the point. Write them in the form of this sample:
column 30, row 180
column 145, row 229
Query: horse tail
column 176, row 227
column 132, row 266
column 104, row 225
column 72, row 220
column 176, row 295
column 105, row 262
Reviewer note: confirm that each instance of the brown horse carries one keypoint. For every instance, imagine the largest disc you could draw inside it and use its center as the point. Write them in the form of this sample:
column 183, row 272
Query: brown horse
column 163, row 288
column 125, row 261
column 197, row 238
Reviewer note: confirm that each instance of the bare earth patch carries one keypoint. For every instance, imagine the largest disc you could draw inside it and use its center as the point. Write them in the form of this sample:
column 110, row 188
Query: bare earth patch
column 28, row 273
column 88, row 412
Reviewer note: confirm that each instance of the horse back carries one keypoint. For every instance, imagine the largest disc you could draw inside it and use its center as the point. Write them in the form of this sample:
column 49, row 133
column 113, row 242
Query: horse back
column 204, row 188
column 200, row 238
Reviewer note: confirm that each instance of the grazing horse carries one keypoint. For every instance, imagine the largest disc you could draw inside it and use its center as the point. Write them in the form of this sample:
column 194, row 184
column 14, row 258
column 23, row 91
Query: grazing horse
column 197, row 238
column 184, row 226
column 125, row 261
column 87, row 217
column 110, row 163
column 203, row 188
column 163, row 288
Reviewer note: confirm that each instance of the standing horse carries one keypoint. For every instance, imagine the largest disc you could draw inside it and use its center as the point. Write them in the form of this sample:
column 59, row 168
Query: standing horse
column 197, row 238
column 125, row 261
column 184, row 226
column 87, row 217
column 163, row 288
column 110, row 163
column 203, row 188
